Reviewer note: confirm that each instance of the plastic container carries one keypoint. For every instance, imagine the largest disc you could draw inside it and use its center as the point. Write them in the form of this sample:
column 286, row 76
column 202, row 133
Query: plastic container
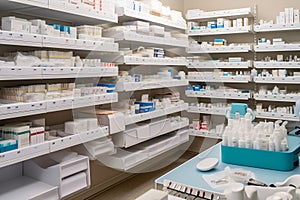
column 282, row 161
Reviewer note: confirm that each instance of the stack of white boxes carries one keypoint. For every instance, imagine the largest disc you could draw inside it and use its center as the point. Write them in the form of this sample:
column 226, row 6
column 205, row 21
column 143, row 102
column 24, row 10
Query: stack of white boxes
column 289, row 16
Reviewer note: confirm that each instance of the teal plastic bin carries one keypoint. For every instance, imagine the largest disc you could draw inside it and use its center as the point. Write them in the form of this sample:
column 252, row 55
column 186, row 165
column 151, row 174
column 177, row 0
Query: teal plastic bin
column 282, row 161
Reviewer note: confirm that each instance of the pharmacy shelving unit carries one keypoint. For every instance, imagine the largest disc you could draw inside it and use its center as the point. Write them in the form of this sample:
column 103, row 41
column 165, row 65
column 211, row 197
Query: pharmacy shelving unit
column 68, row 13
column 288, row 82
column 147, row 136
column 242, row 82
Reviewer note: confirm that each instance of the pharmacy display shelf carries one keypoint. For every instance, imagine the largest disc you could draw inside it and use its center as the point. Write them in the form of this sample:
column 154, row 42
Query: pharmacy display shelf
column 278, row 80
column 26, row 73
column 129, row 15
column 23, row 187
column 58, row 10
column 218, row 95
column 205, row 133
column 128, row 37
column 36, row 40
column 139, row 134
column 281, row 116
column 131, row 119
column 222, row 79
column 277, row 47
column 205, row 110
column 279, row 97
column 219, row 49
column 219, row 65
column 136, row 156
column 76, row 139
column 277, row 27
column 36, row 150
column 24, row 153
column 229, row 14
column 276, row 65
column 220, row 31
column 138, row 60
column 146, row 85
column 14, row 110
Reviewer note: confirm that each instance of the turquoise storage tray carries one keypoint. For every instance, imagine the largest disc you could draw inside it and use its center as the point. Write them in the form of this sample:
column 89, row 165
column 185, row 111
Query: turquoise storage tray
column 282, row 161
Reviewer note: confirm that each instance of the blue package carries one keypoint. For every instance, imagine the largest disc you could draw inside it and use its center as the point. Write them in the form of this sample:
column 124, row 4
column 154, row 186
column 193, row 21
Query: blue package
column 212, row 26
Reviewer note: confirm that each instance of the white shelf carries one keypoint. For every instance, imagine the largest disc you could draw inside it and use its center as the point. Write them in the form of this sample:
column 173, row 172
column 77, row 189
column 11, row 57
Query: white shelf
column 138, row 134
column 76, row 139
column 131, row 119
column 220, row 31
column 218, row 95
column 275, row 48
column 26, row 73
column 206, row 134
column 136, row 60
column 35, row 40
column 229, row 14
column 280, row 97
column 137, row 155
column 58, row 10
column 276, row 27
column 8, row 111
column 134, row 86
column 219, row 65
column 269, row 115
column 130, row 37
column 276, row 65
column 220, row 49
column 278, row 80
column 32, row 151
column 128, row 15
column 222, row 79
column 25, row 153
column 27, row 188
column 204, row 110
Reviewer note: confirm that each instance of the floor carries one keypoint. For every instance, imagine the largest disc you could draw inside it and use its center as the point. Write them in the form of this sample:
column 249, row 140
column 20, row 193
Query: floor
column 139, row 184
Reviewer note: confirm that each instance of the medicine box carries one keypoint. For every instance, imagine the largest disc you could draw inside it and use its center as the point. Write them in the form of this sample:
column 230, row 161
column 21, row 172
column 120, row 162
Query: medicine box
column 282, row 161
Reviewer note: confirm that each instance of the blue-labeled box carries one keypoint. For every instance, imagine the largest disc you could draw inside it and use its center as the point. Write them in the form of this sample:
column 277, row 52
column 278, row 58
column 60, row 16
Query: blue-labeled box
column 281, row 161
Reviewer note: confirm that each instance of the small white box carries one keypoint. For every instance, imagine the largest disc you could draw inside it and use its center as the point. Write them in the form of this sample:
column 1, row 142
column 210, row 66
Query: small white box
column 227, row 23
column 157, row 30
column 296, row 16
column 291, row 17
column 34, row 29
column 234, row 23
column 239, row 22
column 246, row 22
column 220, row 21
column 287, row 15
column 282, row 17
column 15, row 24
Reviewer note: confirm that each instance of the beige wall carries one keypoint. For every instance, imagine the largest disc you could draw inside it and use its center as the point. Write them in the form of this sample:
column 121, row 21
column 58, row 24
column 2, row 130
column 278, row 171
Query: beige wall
column 174, row 4
column 267, row 9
